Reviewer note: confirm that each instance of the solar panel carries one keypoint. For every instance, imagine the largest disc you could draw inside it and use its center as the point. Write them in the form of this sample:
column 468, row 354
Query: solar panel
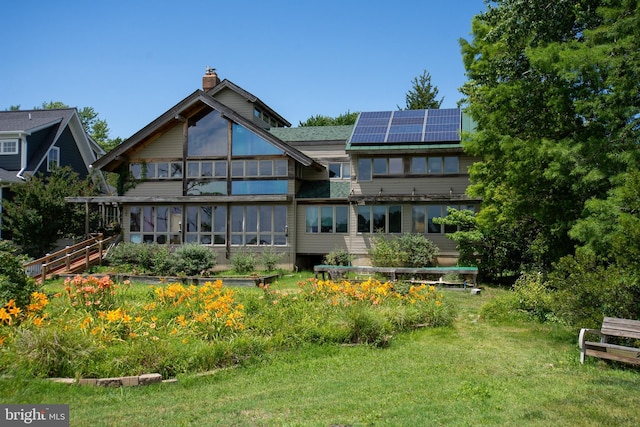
column 407, row 126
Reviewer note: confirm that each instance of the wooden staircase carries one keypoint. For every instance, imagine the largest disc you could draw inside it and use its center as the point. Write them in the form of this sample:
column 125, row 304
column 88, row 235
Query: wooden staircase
column 72, row 259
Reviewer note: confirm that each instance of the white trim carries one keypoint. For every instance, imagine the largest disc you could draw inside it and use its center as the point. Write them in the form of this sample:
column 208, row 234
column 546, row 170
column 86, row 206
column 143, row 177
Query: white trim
column 55, row 150
column 7, row 141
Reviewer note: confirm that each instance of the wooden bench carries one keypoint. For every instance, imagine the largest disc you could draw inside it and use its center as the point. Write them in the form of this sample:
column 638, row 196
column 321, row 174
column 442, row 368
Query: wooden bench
column 611, row 327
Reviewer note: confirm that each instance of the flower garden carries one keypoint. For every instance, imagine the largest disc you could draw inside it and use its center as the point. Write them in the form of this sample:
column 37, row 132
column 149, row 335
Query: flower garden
column 92, row 327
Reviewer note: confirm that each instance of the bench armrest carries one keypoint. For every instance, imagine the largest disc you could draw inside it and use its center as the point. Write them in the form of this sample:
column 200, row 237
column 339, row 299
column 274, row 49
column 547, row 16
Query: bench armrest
column 581, row 339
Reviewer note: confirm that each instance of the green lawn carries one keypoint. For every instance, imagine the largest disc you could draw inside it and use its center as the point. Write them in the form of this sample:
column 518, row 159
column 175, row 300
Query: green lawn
column 474, row 373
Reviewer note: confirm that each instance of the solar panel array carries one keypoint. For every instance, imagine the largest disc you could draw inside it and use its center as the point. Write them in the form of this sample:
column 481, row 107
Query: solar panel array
column 407, row 126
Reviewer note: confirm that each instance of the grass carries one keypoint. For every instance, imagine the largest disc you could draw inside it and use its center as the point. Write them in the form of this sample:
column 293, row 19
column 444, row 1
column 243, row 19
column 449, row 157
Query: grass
column 473, row 373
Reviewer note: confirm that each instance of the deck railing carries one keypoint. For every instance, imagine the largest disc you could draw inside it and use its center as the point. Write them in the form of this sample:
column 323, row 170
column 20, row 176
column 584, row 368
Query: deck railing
column 70, row 259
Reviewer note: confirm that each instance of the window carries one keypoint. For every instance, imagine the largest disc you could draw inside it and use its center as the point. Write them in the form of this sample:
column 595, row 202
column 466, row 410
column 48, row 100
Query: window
column 207, row 188
column 379, row 219
column 255, row 168
column 435, row 165
column 364, row 170
column 53, row 158
column 418, row 165
column 247, row 143
column 208, row 136
column 263, row 186
column 422, row 218
column 340, row 170
column 258, row 225
column 157, row 170
column 439, row 165
column 327, row 219
column 155, row 224
column 9, row 146
column 206, row 225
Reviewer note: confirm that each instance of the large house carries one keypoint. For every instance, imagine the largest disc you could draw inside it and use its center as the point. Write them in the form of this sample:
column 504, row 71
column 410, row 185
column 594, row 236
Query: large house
column 37, row 141
column 223, row 169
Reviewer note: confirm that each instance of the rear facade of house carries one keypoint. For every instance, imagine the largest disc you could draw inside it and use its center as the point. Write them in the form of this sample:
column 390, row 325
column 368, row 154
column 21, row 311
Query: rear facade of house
column 222, row 169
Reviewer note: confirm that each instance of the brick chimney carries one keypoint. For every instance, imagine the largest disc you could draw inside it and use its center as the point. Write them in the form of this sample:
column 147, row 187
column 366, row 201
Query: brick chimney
column 210, row 79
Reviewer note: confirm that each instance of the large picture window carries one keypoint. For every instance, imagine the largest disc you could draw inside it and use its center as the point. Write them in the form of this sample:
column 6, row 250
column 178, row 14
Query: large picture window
column 258, row 225
column 208, row 136
column 379, row 219
column 206, row 225
column 155, row 224
column 327, row 219
column 422, row 218
column 247, row 143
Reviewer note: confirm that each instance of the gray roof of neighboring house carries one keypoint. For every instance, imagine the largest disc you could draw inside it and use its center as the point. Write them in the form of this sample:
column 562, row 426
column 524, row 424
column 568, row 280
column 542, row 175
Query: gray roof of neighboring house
column 8, row 177
column 313, row 133
column 28, row 120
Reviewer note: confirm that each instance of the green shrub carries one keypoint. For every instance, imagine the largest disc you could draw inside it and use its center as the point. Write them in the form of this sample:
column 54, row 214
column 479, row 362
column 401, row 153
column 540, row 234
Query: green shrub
column 534, row 296
column 194, row 259
column 163, row 262
column 14, row 282
column 338, row 257
column 420, row 251
column 270, row 258
column 134, row 255
column 385, row 252
column 244, row 262
column 408, row 250
column 586, row 291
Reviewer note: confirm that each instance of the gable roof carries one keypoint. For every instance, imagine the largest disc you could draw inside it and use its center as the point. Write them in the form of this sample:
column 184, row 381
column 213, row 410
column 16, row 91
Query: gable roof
column 179, row 112
column 29, row 121
column 23, row 123
column 227, row 84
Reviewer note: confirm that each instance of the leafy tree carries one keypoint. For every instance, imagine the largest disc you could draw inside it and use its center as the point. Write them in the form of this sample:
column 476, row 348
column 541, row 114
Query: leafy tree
column 553, row 89
column 38, row 214
column 347, row 118
column 423, row 94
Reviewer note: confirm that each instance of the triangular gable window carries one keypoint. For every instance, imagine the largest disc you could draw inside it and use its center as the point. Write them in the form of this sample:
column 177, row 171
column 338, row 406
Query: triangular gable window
column 208, row 136
column 247, row 143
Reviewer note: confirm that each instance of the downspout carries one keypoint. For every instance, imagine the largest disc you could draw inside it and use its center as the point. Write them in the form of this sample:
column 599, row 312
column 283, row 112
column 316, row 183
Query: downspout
column 23, row 157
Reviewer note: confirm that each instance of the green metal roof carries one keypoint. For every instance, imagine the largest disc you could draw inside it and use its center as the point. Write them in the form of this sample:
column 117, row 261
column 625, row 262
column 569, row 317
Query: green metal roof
column 324, row 190
column 313, row 133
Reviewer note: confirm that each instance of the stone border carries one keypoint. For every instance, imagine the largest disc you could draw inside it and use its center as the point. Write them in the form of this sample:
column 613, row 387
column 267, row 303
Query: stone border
column 132, row 381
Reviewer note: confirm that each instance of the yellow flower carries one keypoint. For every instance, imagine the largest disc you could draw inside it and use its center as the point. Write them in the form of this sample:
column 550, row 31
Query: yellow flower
column 38, row 321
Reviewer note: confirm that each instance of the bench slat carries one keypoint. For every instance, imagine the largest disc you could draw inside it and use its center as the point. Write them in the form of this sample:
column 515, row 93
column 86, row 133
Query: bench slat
column 621, row 327
column 613, row 356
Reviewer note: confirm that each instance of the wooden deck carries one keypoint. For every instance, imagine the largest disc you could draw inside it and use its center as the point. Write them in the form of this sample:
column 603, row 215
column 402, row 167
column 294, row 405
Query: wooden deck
column 70, row 260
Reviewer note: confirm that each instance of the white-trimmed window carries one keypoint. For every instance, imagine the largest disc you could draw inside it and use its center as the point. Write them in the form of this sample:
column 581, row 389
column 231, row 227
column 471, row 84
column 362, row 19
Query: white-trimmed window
column 53, row 158
column 339, row 170
column 8, row 146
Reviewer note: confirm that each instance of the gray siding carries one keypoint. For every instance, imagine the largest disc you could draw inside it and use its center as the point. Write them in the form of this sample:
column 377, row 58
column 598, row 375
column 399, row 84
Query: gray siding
column 156, row 189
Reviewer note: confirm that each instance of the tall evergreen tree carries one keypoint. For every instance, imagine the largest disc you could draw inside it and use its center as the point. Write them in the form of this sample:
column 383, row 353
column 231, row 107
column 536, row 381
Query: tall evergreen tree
column 553, row 87
column 423, row 95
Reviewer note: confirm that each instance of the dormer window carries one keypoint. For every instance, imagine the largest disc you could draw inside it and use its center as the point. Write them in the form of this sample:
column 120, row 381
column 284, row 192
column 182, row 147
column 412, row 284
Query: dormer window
column 8, row 146
column 53, row 159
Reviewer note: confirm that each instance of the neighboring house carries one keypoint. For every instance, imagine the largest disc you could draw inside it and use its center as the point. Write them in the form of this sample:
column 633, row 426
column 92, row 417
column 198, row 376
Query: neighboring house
column 223, row 169
column 37, row 141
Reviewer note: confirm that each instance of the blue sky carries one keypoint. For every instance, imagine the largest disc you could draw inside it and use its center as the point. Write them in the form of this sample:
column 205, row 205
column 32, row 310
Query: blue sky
column 132, row 61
